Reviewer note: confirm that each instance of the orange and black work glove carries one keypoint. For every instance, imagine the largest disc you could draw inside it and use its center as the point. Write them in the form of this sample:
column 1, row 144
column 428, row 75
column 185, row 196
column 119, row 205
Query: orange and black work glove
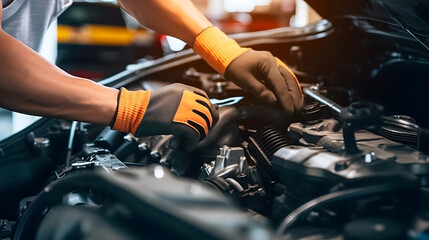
column 258, row 72
column 177, row 109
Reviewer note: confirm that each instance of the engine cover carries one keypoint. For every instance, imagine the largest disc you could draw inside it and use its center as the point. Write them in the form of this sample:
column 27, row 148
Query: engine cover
column 321, row 165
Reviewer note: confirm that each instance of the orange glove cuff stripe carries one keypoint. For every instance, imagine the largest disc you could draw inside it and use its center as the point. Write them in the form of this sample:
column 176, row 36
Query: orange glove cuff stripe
column 131, row 109
column 217, row 48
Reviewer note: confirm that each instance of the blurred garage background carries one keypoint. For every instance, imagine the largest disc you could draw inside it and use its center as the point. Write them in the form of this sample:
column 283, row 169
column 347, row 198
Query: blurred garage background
column 95, row 39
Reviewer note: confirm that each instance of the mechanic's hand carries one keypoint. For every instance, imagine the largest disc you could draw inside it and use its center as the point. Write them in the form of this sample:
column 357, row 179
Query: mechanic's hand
column 267, row 78
column 258, row 72
column 177, row 109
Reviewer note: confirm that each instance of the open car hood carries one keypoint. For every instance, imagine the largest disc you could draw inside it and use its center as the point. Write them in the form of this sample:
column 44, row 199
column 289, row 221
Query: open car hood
column 404, row 16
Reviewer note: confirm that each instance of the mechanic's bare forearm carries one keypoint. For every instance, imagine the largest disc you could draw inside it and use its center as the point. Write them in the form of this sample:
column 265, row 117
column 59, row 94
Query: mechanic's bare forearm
column 178, row 18
column 29, row 84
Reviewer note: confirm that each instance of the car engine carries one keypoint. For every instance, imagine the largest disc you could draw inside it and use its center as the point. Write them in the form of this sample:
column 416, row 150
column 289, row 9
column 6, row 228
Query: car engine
column 350, row 166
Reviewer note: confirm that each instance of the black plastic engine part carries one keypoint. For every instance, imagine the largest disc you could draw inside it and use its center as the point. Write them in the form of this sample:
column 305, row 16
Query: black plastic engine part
column 74, row 222
column 374, row 228
column 269, row 139
column 312, row 113
column 102, row 159
column 401, row 186
column 329, row 157
column 399, row 128
column 420, row 225
column 109, row 139
column 308, row 173
column 152, row 203
column 6, row 228
column 260, row 148
column 423, row 142
column 358, row 115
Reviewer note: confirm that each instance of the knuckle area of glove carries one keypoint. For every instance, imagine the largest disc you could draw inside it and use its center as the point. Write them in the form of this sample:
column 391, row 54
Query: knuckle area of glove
column 185, row 111
column 202, row 108
column 268, row 96
column 265, row 55
column 266, row 65
column 261, row 91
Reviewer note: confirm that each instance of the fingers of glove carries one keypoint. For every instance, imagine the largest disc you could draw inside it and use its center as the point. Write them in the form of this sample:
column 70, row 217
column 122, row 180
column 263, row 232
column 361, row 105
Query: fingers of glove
column 205, row 109
column 191, row 144
column 175, row 143
column 275, row 81
column 241, row 72
column 188, row 140
column 195, row 112
column 258, row 89
column 294, row 88
column 283, row 66
column 215, row 112
column 204, row 101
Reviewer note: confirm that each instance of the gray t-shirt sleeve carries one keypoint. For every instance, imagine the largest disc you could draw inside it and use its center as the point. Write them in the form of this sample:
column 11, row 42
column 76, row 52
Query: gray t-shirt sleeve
column 28, row 20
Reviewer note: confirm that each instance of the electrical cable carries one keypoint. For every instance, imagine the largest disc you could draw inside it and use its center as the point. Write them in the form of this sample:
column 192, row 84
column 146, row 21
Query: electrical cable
column 70, row 143
column 318, row 202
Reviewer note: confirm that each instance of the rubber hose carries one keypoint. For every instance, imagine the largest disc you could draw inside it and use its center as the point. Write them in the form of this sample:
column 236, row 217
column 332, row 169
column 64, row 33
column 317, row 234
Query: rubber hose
column 289, row 220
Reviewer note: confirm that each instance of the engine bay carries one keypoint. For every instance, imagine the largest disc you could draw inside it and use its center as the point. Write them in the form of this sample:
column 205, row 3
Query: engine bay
column 350, row 166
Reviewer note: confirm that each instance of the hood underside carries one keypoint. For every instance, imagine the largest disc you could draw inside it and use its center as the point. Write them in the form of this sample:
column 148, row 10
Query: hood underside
column 412, row 16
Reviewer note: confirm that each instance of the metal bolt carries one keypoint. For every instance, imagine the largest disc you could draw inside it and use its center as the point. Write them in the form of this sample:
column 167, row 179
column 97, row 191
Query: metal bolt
column 144, row 147
column 373, row 156
column 41, row 142
column 370, row 157
column 223, row 150
column 242, row 163
column 82, row 165
column 261, row 192
column 41, row 146
column 155, row 154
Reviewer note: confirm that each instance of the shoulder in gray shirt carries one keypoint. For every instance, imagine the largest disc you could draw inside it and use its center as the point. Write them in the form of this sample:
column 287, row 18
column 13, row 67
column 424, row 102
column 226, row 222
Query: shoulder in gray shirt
column 27, row 20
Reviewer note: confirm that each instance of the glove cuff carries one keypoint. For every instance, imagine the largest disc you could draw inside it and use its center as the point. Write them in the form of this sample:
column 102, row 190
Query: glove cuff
column 132, row 106
column 217, row 48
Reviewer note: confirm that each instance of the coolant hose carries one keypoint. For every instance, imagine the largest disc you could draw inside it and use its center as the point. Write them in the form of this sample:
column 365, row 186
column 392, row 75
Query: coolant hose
column 341, row 196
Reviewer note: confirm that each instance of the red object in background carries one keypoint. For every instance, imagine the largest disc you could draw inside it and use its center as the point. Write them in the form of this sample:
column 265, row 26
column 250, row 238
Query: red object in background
column 262, row 22
column 84, row 73
column 254, row 22
column 258, row 22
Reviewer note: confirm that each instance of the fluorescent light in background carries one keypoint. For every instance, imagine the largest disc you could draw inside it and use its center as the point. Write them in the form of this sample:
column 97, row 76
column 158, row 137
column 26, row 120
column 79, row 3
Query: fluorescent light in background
column 244, row 5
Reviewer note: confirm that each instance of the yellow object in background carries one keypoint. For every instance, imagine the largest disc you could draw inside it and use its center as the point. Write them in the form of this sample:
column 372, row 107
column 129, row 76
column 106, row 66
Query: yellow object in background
column 102, row 35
